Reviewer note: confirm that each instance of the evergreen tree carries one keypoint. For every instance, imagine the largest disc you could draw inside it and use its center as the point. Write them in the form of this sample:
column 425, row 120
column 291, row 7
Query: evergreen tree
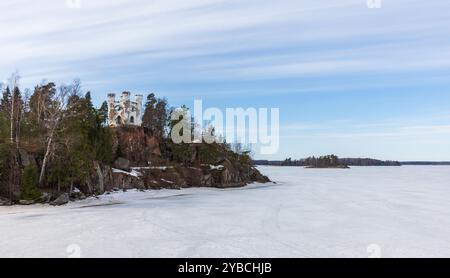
column 155, row 117
column 103, row 113
column 6, row 100
column 5, row 106
column 30, row 180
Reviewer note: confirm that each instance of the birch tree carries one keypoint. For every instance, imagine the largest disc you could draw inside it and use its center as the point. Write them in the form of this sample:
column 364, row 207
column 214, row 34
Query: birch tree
column 13, row 85
column 54, row 115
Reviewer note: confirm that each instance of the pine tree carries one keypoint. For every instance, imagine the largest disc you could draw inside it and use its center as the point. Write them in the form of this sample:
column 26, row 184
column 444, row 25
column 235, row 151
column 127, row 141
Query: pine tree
column 6, row 100
column 30, row 180
column 155, row 117
column 103, row 113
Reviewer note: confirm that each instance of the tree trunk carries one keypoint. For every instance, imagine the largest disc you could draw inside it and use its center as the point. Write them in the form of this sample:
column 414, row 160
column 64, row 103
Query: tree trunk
column 11, row 181
column 101, row 179
column 19, row 118
column 12, row 116
column 45, row 160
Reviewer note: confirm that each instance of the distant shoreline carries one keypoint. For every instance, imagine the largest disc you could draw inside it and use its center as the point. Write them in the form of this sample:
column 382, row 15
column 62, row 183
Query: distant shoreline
column 402, row 163
column 426, row 163
column 325, row 167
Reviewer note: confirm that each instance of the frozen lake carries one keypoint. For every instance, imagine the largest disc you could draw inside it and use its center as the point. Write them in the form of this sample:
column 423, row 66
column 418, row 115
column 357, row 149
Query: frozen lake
column 359, row 212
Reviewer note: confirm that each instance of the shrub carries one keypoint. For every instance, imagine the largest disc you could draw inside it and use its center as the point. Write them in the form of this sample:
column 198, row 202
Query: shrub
column 30, row 180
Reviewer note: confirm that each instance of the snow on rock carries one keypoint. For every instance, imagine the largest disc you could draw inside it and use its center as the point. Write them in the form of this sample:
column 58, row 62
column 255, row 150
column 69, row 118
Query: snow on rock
column 153, row 168
column 167, row 181
column 133, row 172
column 218, row 167
column 214, row 167
column 397, row 211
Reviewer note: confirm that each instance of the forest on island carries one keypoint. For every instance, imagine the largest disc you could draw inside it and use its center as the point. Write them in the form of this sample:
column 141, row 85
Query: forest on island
column 65, row 134
column 328, row 161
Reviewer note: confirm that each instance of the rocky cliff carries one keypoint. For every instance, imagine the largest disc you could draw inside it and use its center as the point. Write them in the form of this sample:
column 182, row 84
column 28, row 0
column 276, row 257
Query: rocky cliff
column 144, row 162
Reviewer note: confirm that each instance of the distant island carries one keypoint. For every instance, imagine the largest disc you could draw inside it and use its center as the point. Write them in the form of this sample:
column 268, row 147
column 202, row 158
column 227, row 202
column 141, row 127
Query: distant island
column 328, row 161
column 351, row 162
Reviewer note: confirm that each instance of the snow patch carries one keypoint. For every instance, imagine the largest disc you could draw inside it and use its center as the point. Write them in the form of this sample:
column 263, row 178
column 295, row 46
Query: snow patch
column 214, row 167
column 133, row 172
column 167, row 181
column 153, row 168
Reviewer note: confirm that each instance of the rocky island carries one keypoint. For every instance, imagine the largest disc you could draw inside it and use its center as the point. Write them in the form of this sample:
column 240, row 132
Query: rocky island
column 56, row 146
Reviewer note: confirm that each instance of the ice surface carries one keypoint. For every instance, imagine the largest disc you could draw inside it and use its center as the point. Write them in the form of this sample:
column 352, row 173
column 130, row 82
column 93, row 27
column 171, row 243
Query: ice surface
column 389, row 211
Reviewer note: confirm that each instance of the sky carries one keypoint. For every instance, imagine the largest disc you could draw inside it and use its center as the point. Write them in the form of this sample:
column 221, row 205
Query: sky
column 348, row 79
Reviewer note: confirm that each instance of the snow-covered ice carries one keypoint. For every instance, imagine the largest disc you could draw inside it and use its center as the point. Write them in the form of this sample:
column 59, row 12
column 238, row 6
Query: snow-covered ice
column 358, row 212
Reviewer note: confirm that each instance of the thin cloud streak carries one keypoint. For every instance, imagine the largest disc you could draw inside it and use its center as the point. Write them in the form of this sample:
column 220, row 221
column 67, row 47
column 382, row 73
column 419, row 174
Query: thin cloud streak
column 114, row 31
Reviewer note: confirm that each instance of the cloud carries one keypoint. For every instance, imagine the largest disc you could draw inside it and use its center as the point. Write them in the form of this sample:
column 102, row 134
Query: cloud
column 235, row 50
column 378, row 131
column 219, row 40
